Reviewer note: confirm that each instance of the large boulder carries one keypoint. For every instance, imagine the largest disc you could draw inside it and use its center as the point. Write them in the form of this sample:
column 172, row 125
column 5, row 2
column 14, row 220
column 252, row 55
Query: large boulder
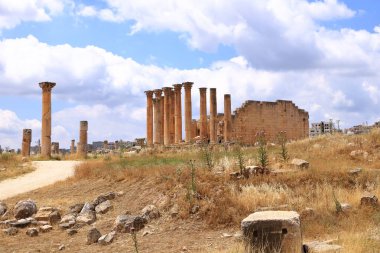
column 3, row 208
column 124, row 223
column 93, row 236
column 24, row 209
column 103, row 207
column 270, row 231
column 49, row 214
column 300, row 164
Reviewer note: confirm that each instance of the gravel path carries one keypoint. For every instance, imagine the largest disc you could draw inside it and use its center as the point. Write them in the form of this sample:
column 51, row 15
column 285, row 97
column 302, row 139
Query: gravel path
column 46, row 173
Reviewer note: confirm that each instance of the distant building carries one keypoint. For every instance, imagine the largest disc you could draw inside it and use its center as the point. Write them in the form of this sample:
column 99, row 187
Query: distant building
column 359, row 129
column 321, row 128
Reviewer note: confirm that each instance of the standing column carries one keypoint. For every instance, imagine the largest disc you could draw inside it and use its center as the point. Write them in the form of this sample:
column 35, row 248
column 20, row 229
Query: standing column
column 26, row 140
column 82, row 144
column 203, row 114
column 213, row 112
column 149, row 117
column 172, row 116
column 178, row 113
column 188, row 111
column 227, row 118
column 162, row 105
column 157, row 117
column 46, row 118
column 167, row 91
column 72, row 147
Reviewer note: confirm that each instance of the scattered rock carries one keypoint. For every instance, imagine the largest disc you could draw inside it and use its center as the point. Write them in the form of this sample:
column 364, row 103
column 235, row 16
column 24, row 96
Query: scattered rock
column 103, row 207
column 150, row 212
column 226, row 235
column 104, row 197
column 120, row 193
column 68, row 217
column 300, row 164
column 87, row 217
column 87, row 207
column 61, row 247
column 10, row 231
column 124, row 223
column 355, row 171
column 345, row 207
column 107, row 239
column 76, row 208
column 49, row 214
column 319, row 247
column 20, row 223
column 174, row 211
column 71, row 231
column 32, row 232
column 194, row 209
column 7, row 215
column 307, row 212
column 24, row 209
column 369, row 200
column 93, row 236
column 145, row 233
column 359, row 154
column 3, row 208
column 46, row 228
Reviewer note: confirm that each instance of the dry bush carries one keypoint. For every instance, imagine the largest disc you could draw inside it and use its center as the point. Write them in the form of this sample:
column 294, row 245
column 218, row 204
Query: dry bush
column 11, row 165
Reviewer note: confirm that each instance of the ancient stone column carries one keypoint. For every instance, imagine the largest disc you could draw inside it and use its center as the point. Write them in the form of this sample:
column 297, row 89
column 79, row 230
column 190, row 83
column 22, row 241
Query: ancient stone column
column 172, row 116
column 178, row 113
column 227, row 118
column 162, row 119
column 188, row 111
column 149, row 117
column 213, row 116
column 82, row 144
column 157, row 117
column 203, row 114
column 46, row 118
column 26, row 140
column 167, row 91
column 105, row 145
column 72, row 147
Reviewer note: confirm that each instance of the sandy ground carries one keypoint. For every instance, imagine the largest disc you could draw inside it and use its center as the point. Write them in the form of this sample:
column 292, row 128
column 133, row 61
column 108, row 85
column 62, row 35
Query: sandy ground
column 46, row 173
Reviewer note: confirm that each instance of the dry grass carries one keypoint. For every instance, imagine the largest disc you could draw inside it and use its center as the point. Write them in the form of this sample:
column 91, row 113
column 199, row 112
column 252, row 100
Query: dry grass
column 11, row 166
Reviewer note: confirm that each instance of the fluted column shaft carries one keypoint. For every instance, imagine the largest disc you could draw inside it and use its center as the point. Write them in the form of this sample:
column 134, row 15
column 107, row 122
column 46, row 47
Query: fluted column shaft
column 166, row 115
column 157, row 136
column 149, row 117
column 227, row 118
column 213, row 112
column 203, row 114
column 188, row 111
column 46, row 119
column 178, row 113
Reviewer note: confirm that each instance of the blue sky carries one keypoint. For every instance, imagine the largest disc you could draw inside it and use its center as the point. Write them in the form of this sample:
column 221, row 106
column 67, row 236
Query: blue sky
column 323, row 55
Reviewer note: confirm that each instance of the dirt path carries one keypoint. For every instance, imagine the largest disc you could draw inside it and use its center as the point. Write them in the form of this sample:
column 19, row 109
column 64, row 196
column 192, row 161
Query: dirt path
column 47, row 172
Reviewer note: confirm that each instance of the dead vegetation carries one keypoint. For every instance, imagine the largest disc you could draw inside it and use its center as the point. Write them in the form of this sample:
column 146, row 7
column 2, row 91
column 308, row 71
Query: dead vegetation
column 11, row 166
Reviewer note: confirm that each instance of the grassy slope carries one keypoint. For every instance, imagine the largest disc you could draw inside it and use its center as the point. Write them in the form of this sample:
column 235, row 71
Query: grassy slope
column 11, row 166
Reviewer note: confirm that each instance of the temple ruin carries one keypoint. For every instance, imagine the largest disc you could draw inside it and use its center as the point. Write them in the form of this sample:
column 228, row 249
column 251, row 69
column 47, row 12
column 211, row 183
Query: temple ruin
column 164, row 118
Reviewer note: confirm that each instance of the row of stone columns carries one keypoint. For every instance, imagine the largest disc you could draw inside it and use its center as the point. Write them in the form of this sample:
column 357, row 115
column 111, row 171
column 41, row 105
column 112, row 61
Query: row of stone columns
column 160, row 116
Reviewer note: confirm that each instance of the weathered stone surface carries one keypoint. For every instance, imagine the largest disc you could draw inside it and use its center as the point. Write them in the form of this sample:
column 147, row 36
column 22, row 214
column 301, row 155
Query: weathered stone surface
column 103, row 207
column 322, row 247
column 150, row 212
column 71, row 231
column 24, row 209
column 359, row 154
column 45, row 228
column 20, row 223
column 369, row 200
column 49, row 214
column 61, row 247
column 107, row 238
column 68, row 217
column 104, row 197
column 124, row 223
column 3, row 208
column 93, row 236
column 345, row 207
column 273, row 230
column 174, row 211
column 87, row 207
column 355, row 171
column 32, row 232
column 87, row 217
column 76, row 208
column 10, row 231
column 300, row 164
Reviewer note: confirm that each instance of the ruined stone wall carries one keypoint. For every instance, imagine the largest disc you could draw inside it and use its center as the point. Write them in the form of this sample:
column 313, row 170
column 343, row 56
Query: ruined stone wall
column 271, row 117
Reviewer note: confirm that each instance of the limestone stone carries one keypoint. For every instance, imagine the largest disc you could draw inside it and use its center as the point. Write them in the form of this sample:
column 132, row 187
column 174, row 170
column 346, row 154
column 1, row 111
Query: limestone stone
column 213, row 118
column 272, row 230
column 20, row 223
column 88, row 207
column 82, row 144
column 188, row 111
column 46, row 118
column 93, row 236
column 87, row 217
column 32, row 232
column 24, row 209
column 157, row 117
column 70, row 217
column 49, row 214
column 103, row 207
column 355, row 171
column 10, row 231
column 203, row 114
column 124, row 223
column 76, row 208
column 104, row 197
column 149, row 117
column 150, row 212
column 359, row 154
column 107, row 238
column 300, row 164
column 45, row 228
column 369, row 199
column 227, row 118
column 3, row 208
column 322, row 247
column 167, row 91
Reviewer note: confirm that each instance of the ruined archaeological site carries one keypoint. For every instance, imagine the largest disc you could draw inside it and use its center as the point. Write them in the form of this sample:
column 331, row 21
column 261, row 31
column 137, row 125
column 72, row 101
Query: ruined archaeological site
column 245, row 126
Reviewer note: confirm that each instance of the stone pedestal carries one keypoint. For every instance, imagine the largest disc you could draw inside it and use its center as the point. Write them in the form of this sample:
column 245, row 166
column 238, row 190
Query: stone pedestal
column 26, row 141
column 72, row 147
column 82, row 144
column 203, row 114
column 167, row 91
column 157, row 117
column 188, row 111
column 272, row 231
column 227, row 118
column 149, row 117
column 213, row 116
column 178, row 113
column 46, row 119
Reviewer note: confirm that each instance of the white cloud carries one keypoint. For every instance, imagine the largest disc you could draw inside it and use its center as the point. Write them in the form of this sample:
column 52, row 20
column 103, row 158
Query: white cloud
column 12, row 13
